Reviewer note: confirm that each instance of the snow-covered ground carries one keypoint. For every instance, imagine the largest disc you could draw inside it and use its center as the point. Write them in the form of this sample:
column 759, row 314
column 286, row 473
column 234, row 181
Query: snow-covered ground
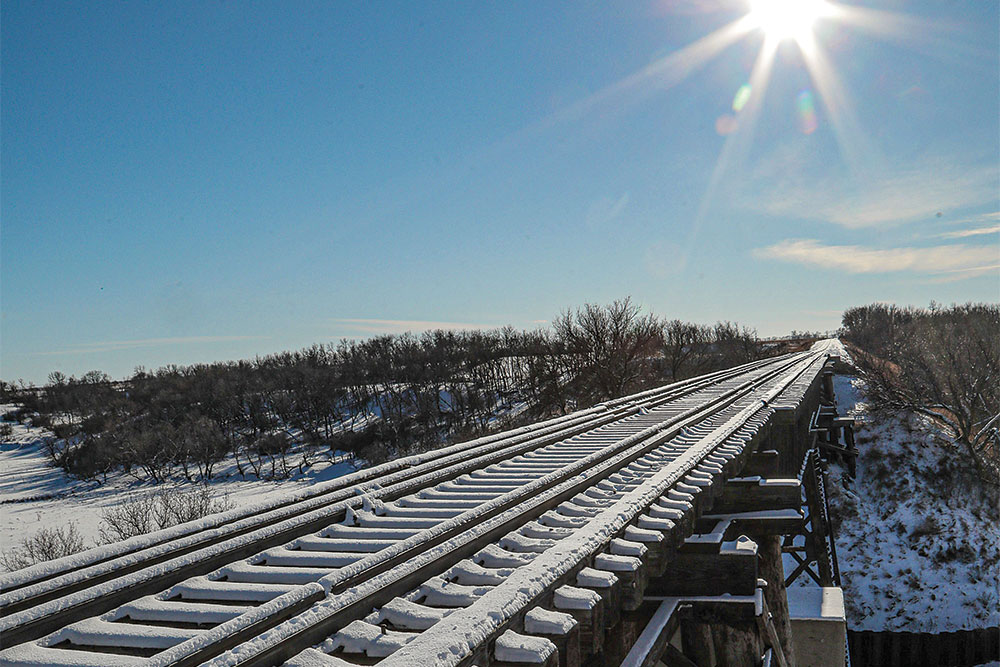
column 35, row 495
column 918, row 536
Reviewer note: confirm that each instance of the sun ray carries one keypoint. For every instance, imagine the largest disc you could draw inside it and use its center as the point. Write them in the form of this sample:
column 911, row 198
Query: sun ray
column 738, row 143
column 855, row 147
column 797, row 23
column 661, row 74
column 675, row 67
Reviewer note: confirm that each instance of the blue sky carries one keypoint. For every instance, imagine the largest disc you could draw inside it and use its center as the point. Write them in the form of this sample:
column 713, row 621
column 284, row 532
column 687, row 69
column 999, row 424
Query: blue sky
column 188, row 182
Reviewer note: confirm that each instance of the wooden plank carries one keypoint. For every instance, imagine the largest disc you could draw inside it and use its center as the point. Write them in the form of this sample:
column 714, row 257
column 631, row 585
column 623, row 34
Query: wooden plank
column 623, row 638
column 591, row 624
column 764, row 522
column 696, row 640
column 737, row 644
column 567, row 643
column 776, row 599
column 931, row 649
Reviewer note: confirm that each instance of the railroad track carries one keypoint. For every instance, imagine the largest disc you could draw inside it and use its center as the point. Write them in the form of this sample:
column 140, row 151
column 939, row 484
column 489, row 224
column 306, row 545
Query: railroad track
column 474, row 553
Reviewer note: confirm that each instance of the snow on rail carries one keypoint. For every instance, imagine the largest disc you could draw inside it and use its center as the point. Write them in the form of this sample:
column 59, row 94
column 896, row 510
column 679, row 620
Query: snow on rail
column 318, row 497
column 489, row 610
column 460, row 633
column 325, row 510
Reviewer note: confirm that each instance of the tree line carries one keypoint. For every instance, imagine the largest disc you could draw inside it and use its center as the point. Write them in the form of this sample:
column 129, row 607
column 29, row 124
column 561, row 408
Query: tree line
column 377, row 398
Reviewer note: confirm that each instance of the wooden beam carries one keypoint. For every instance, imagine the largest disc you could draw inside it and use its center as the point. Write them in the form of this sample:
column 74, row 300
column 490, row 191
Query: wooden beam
column 733, row 571
column 775, row 596
column 763, row 463
column 764, row 621
column 696, row 640
column 764, row 522
column 747, row 494
column 655, row 638
column 672, row 657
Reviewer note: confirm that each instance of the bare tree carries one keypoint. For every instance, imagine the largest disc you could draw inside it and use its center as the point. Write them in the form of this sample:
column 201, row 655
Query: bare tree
column 682, row 343
column 613, row 346
column 400, row 391
column 941, row 363
column 735, row 344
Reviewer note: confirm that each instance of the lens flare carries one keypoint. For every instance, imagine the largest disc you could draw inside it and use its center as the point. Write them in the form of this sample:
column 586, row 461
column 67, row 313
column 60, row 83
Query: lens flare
column 741, row 98
column 778, row 22
column 807, row 112
column 725, row 125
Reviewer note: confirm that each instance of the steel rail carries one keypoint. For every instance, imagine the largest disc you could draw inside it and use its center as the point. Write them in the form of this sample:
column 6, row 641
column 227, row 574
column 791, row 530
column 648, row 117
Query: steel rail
column 349, row 598
column 592, row 538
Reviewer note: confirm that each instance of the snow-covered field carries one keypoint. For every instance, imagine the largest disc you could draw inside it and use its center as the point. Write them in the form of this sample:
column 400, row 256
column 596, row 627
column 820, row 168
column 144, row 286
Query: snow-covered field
column 918, row 538
column 35, row 495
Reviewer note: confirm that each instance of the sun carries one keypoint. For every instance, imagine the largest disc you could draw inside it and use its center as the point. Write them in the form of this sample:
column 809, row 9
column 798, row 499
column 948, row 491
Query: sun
column 786, row 19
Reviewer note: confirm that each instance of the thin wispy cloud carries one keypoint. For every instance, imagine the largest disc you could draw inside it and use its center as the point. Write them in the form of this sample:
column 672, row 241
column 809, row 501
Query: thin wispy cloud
column 783, row 186
column 980, row 219
column 954, row 275
column 375, row 326
column 966, row 233
column 605, row 210
column 961, row 261
column 115, row 345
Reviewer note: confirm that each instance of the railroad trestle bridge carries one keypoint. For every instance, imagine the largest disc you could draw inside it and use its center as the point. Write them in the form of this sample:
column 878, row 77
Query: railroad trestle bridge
column 647, row 530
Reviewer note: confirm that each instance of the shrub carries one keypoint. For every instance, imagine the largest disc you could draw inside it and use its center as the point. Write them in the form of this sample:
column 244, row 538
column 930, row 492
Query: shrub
column 134, row 516
column 91, row 457
column 46, row 544
column 928, row 526
column 18, row 415
column 140, row 514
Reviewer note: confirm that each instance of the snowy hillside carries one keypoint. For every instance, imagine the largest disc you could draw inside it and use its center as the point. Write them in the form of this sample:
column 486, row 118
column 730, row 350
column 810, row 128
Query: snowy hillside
column 918, row 536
